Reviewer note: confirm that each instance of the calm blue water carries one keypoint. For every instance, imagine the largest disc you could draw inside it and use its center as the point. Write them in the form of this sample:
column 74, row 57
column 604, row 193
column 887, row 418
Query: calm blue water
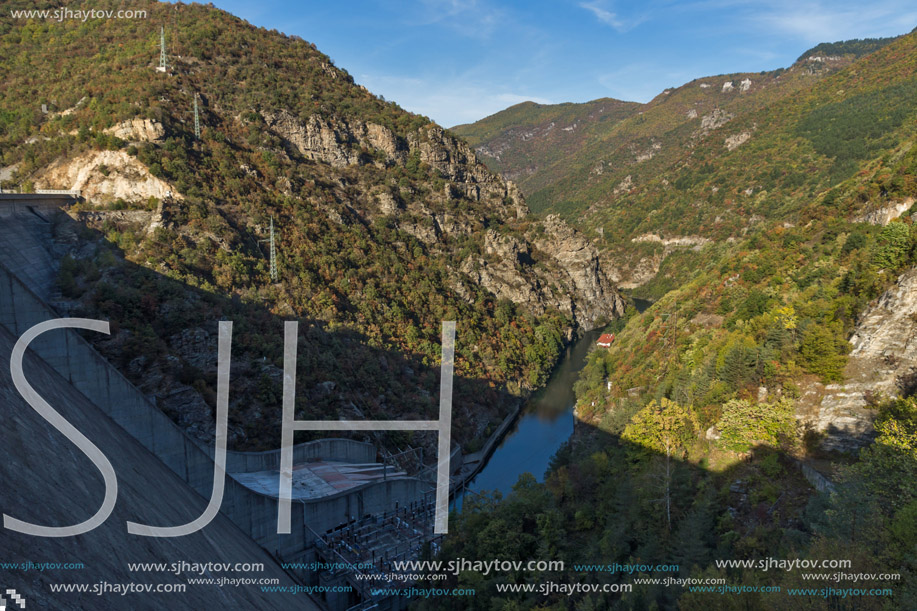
column 544, row 426
column 540, row 431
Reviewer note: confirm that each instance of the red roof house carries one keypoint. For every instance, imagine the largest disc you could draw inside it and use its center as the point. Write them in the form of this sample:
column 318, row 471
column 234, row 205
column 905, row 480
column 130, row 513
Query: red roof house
column 606, row 339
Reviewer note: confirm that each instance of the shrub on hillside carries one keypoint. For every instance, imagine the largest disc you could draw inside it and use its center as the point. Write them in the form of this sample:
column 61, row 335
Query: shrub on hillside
column 745, row 424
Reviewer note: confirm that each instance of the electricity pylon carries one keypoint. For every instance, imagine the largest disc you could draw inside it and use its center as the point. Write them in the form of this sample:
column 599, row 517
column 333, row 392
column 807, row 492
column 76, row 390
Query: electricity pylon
column 273, row 255
column 162, row 49
column 197, row 120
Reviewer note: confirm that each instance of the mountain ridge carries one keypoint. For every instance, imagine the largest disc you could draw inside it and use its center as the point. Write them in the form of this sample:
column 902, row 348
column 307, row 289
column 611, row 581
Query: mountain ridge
column 680, row 141
column 376, row 211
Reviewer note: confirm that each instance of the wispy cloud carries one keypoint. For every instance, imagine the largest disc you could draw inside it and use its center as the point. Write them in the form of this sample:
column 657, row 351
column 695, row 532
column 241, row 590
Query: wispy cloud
column 810, row 21
column 815, row 21
column 603, row 15
column 470, row 18
column 601, row 12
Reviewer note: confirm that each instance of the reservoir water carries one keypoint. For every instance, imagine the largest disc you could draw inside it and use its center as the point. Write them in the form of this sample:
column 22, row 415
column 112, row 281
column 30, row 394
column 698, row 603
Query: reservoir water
column 543, row 427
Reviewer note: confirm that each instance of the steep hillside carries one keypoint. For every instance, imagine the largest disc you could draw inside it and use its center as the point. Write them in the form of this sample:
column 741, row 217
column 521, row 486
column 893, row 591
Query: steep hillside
column 525, row 139
column 384, row 224
column 797, row 230
column 776, row 362
column 709, row 159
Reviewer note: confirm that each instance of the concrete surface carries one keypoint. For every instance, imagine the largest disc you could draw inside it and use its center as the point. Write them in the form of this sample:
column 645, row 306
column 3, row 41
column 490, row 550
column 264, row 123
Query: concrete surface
column 46, row 480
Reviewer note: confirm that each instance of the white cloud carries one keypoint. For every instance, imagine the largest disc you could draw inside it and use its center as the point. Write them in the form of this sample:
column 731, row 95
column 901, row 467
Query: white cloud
column 811, row 21
column 470, row 18
column 604, row 15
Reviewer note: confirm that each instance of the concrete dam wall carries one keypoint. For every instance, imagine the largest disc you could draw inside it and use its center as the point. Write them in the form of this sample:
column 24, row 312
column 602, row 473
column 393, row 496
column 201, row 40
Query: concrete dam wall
column 77, row 361
column 47, row 481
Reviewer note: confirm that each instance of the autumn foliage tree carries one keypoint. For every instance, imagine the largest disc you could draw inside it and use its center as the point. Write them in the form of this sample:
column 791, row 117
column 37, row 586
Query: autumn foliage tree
column 667, row 429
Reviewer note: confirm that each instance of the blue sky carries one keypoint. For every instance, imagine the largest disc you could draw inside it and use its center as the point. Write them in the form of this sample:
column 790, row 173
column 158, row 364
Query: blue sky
column 457, row 61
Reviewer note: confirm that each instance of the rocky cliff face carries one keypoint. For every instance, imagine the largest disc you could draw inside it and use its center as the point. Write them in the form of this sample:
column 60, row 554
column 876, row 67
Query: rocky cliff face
column 594, row 298
column 569, row 275
column 340, row 143
column 571, row 281
column 104, row 176
column 334, row 143
column 457, row 163
column 883, row 364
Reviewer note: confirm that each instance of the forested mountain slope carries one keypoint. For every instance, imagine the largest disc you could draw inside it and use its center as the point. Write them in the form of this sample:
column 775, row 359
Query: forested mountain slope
column 763, row 407
column 707, row 160
column 385, row 224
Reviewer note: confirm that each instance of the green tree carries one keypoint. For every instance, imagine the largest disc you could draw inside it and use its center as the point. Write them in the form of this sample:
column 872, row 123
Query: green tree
column 823, row 351
column 892, row 246
column 666, row 428
column 743, row 423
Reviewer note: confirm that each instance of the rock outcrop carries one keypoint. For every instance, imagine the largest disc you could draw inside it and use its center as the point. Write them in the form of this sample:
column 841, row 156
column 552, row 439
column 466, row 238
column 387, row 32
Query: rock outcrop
column 882, row 364
column 316, row 139
column 690, row 241
column 137, row 130
column 711, row 121
column 104, row 176
column 594, row 297
column 886, row 214
column 340, row 143
column 736, row 140
column 570, row 279
column 457, row 163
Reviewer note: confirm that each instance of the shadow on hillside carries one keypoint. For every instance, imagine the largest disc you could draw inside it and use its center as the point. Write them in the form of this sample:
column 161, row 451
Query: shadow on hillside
column 607, row 501
column 164, row 339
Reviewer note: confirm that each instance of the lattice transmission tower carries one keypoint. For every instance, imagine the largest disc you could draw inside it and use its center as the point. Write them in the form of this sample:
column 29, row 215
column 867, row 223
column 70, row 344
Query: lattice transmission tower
column 273, row 253
column 197, row 120
column 162, row 49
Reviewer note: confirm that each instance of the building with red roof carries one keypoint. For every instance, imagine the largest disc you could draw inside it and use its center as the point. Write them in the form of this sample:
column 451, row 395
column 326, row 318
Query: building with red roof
column 606, row 339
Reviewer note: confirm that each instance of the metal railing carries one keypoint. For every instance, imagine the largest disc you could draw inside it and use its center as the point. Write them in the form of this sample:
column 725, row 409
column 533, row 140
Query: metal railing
column 73, row 192
column 70, row 192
